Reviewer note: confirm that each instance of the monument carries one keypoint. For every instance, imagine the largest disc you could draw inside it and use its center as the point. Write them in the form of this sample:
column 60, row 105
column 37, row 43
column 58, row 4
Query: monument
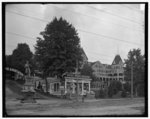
column 28, row 88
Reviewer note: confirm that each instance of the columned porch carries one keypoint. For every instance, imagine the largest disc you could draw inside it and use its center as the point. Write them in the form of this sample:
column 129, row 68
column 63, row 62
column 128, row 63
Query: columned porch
column 72, row 83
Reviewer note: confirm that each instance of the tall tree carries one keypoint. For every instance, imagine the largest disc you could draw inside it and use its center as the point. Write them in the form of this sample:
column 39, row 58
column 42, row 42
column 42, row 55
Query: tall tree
column 87, row 70
column 137, row 61
column 59, row 49
column 19, row 57
column 8, row 60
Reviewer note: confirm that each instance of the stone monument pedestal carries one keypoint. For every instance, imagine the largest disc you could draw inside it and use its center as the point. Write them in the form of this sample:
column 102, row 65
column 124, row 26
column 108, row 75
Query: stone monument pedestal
column 28, row 91
column 28, row 97
column 28, row 88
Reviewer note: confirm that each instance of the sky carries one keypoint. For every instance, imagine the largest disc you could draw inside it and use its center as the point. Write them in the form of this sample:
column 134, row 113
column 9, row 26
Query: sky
column 105, row 30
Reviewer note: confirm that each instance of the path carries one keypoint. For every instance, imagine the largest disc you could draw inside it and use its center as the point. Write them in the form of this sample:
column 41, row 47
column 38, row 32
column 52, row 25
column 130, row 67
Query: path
column 65, row 107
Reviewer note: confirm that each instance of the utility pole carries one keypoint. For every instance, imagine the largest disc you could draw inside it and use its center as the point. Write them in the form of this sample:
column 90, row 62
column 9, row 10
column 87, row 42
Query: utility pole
column 76, row 73
column 132, row 80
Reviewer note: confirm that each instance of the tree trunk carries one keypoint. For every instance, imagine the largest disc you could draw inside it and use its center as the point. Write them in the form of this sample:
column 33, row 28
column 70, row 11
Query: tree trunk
column 46, row 85
column 136, row 92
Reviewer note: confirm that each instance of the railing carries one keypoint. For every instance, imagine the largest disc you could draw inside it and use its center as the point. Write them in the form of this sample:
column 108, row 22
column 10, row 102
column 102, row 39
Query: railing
column 14, row 70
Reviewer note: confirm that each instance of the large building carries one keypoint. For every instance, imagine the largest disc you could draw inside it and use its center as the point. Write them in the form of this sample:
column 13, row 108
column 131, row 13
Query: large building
column 105, row 73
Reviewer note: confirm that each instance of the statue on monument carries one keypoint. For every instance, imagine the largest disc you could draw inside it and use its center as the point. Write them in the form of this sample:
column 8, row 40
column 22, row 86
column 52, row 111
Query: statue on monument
column 27, row 69
column 28, row 87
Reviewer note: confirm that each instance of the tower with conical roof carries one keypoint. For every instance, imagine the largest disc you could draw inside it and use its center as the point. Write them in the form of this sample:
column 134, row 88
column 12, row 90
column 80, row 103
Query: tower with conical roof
column 117, row 60
column 117, row 68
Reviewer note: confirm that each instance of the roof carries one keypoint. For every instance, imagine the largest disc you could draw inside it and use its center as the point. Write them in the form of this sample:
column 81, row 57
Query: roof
column 36, row 78
column 92, row 63
column 83, row 53
column 53, row 79
column 117, row 60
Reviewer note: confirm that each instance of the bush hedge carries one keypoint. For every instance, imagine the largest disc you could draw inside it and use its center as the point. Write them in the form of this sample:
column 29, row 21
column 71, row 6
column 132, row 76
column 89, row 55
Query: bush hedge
column 100, row 94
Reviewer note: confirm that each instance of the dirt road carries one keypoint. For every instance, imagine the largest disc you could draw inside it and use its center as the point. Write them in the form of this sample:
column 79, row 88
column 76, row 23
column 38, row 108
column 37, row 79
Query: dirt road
column 66, row 107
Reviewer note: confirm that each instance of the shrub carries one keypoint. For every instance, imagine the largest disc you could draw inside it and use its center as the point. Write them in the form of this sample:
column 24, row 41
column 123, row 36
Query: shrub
column 96, row 94
column 114, row 88
column 123, row 94
column 102, row 94
column 127, row 87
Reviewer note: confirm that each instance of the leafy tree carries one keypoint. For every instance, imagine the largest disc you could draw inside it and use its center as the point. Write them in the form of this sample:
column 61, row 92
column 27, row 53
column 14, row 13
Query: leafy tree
column 8, row 60
column 127, row 87
column 87, row 70
column 59, row 50
column 114, row 88
column 136, row 60
column 141, row 90
column 19, row 57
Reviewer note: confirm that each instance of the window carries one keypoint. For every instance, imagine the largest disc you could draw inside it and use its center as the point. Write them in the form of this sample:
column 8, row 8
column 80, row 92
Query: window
column 120, row 74
column 56, row 87
column 103, row 79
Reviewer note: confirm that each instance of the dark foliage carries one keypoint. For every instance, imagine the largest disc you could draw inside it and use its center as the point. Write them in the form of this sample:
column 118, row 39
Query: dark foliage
column 127, row 87
column 96, row 94
column 100, row 94
column 141, row 90
column 137, row 61
column 87, row 70
column 59, row 50
column 114, row 88
column 19, row 57
column 124, row 94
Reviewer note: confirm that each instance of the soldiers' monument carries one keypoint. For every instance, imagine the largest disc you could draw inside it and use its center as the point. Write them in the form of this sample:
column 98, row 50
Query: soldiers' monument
column 28, row 88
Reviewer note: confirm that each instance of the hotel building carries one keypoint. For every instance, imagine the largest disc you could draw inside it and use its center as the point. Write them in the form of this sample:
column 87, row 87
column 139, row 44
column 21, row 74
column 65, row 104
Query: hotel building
column 105, row 73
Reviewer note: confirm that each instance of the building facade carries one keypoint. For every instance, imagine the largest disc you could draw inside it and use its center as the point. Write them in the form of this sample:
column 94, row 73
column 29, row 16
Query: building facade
column 105, row 73
column 70, row 85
